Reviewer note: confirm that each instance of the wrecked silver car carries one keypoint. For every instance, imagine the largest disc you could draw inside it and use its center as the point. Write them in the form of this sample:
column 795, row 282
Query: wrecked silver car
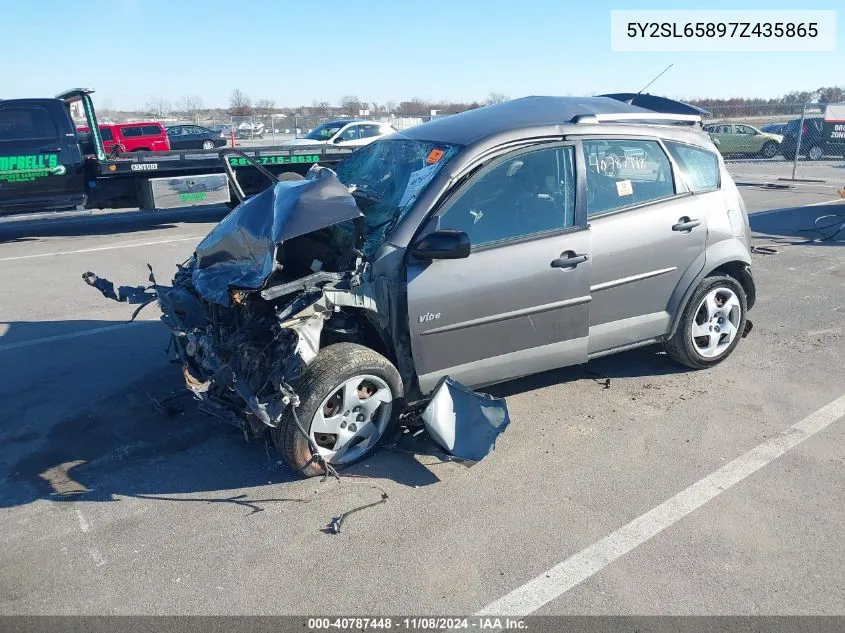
column 321, row 307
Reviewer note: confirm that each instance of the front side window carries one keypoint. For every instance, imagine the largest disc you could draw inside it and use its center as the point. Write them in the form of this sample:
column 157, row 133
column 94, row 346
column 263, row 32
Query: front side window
column 699, row 166
column 623, row 173
column 350, row 134
column 527, row 194
column 744, row 129
column 106, row 134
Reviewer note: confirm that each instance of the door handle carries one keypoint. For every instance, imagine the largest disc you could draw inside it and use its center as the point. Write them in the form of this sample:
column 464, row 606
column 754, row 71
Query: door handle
column 568, row 259
column 685, row 224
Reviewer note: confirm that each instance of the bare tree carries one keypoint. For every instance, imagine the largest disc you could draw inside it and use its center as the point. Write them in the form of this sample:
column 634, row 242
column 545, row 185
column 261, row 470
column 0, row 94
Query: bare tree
column 265, row 106
column 158, row 108
column 192, row 106
column 350, row 103
column 390, row 106
column 240, row 104
column 496, row 97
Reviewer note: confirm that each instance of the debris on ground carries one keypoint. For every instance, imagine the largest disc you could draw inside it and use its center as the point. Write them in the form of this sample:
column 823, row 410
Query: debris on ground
column 463, row 422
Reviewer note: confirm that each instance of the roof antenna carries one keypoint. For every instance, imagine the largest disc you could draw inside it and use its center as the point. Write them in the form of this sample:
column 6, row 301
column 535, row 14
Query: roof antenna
column 631, row 102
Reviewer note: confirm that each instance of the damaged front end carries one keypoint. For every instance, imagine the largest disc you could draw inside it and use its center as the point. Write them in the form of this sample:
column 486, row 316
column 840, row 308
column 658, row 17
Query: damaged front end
column 247, row 311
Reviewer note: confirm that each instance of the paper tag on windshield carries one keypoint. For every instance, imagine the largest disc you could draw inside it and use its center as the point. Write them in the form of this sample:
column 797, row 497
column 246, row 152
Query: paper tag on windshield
column 434, row 156
column 416, row 182
column 624, row 188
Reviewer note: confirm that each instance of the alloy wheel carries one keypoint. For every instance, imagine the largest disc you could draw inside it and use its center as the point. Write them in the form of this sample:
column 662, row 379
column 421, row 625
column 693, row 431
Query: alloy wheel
column 716, row 322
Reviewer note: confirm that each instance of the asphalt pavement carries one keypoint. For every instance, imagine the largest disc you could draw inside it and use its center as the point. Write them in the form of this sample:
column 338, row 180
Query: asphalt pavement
column 109, row 507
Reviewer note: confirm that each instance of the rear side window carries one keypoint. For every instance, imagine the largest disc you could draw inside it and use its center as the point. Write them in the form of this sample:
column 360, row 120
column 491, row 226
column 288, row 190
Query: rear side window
column 699, row 166
column 623, row 173
column 370, row 130
column 151, row 130
column 131, row 131
column 19, row 123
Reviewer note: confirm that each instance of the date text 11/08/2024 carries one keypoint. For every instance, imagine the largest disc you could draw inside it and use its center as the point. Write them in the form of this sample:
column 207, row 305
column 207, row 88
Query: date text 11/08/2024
column 416, row 624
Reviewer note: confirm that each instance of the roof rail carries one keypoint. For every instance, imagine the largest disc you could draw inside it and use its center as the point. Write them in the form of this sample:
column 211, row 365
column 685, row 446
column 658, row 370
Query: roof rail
column 657, row 117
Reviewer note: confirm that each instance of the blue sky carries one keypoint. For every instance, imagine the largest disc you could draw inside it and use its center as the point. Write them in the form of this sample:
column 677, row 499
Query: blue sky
column 131, row 51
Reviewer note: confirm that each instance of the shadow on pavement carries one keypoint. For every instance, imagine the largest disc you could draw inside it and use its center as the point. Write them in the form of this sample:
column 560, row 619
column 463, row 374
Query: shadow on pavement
column 107, row 224
column 120, row 445
column 645, row 361
column 820, row 225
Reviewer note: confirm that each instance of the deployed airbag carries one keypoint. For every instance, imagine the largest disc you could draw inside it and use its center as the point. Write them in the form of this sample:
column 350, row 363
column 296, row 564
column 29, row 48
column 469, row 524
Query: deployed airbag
column 240, row 252
column 463, row 422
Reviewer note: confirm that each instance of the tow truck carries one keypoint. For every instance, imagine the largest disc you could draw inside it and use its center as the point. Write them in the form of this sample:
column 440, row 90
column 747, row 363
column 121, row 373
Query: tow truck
column 47, row 166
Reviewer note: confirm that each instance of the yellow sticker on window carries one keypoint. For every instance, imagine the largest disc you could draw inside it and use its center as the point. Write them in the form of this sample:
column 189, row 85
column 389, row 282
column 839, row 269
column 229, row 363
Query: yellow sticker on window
column 434, row 156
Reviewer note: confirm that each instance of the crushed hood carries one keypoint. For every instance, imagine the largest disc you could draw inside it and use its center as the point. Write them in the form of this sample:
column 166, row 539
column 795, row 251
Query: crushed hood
column 240, row 252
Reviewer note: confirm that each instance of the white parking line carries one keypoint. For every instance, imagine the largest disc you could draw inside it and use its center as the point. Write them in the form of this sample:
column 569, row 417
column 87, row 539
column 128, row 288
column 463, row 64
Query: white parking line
column 576, row 569
column 70, row 335
column 103, row 248
column 781, row 210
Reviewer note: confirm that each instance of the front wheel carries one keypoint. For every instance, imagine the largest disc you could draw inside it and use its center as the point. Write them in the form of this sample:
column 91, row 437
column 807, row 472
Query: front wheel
column 711, row 325
column 349, row 397
column 770, row 149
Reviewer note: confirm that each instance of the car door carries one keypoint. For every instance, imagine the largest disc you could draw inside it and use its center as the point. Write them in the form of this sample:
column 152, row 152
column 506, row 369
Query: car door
column 177, row 138
column 647, row 233
column 349, row 136
column 40, row 161
column 748, row 141
column 519, row 304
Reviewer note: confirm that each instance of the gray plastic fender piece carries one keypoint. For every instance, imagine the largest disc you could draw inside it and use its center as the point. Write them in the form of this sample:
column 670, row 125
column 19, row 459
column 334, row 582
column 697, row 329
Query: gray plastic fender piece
column 463, row 422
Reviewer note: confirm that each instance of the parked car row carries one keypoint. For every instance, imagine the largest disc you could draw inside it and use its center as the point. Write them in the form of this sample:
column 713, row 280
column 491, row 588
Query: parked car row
column 768, row 141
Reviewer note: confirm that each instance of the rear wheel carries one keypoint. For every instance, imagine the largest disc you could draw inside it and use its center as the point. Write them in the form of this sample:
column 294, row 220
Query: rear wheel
column 816, row 152
column 349, row 397
column 770, row 149
column 208, row 144
column 711, row 325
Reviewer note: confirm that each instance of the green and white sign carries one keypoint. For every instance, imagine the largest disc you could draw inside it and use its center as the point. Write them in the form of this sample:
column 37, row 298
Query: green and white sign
column 30, row 167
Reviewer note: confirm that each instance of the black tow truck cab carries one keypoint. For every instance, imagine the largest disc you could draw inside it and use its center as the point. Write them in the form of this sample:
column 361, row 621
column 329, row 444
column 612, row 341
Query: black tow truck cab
column 47, row 165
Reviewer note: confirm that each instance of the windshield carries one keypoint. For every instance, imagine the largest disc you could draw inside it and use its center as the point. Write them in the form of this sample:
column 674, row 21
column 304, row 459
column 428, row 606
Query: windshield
column 386, row 177
column 324, row 132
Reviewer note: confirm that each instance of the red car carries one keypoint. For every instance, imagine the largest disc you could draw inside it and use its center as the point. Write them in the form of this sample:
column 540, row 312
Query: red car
column 133, row 137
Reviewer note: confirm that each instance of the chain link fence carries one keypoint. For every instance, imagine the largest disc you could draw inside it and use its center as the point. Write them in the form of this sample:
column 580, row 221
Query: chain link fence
column 769, row 142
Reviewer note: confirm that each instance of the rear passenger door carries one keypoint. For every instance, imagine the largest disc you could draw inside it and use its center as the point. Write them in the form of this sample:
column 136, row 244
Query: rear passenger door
column 519, row 303
column 648, row 233
column 40, row 161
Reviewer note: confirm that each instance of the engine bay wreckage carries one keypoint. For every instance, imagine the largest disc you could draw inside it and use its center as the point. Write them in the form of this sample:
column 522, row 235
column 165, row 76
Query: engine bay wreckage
column 282, row 281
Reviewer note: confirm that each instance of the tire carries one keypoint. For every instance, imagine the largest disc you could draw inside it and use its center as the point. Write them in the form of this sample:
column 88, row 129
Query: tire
column 770, row 149
column 816, row 152
column 318, row 389
column 694, row 352
column 290, row 175
column 208, row 144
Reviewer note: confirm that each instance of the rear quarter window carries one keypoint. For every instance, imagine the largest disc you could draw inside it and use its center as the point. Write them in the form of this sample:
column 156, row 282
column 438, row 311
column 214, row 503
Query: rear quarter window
column 699, row 166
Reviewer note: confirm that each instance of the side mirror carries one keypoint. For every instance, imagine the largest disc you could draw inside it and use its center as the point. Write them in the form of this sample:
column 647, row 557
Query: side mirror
column 445, row 244
column 337, row 139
